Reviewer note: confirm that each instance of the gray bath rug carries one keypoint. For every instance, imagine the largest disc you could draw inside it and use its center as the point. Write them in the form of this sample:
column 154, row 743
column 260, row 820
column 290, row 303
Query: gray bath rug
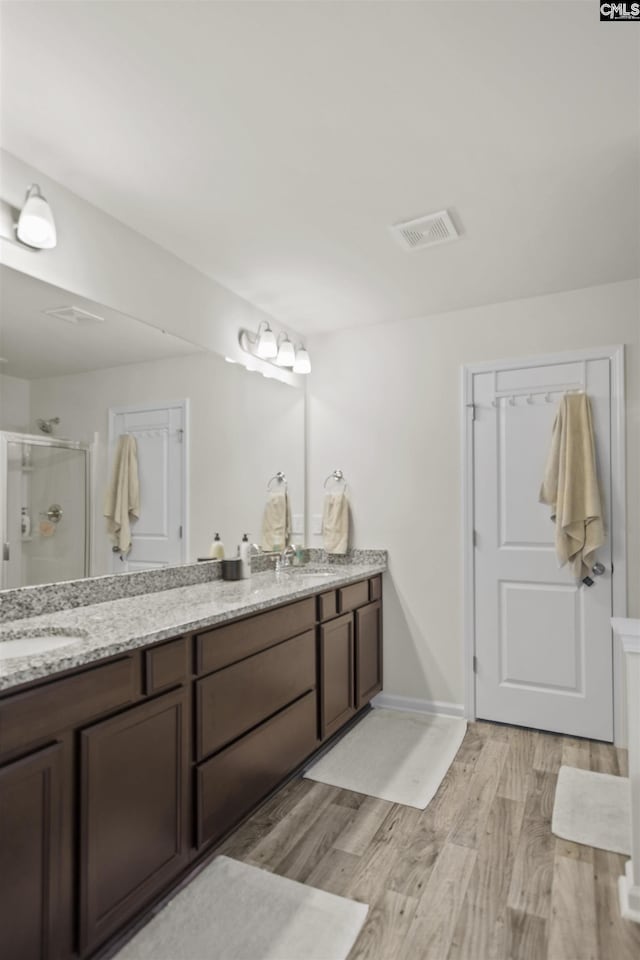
column 594, row 809
column 233, row 911
column 393, row 755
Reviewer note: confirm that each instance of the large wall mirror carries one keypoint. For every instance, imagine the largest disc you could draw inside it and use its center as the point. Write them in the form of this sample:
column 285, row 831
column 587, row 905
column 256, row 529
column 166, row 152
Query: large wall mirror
column 74, row 377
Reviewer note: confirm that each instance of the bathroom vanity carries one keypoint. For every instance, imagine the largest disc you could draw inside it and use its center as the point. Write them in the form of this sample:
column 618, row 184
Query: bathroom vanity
column 119, row 774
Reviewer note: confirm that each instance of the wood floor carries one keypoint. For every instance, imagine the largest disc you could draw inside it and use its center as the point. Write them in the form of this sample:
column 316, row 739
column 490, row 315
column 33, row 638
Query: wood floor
column 478, row 875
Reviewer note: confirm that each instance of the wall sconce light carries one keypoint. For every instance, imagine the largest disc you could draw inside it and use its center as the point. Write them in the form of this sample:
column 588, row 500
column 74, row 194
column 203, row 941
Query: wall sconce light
column 36, row 227
column 280, row 352
column 286, row 353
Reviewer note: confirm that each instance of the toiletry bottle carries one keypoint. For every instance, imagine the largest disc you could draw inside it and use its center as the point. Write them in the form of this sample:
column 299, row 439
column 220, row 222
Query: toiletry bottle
column 245, row 555
column 217, row 548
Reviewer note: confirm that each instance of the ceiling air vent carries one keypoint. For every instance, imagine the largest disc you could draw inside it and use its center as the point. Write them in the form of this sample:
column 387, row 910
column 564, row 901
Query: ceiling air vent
column 74, row 315
column 425, row 231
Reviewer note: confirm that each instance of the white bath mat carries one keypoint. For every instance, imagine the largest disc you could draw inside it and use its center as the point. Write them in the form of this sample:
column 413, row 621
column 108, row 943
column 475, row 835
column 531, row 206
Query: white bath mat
column 393, row 755
column 594, row 809
column 233, row 911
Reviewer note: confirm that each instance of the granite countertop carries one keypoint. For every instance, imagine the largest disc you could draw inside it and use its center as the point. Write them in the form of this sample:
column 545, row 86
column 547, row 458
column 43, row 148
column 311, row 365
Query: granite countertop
column 115, row 626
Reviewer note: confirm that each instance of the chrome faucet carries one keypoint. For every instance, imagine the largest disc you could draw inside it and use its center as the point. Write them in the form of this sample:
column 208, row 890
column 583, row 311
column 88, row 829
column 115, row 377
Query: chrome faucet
column 285, row 558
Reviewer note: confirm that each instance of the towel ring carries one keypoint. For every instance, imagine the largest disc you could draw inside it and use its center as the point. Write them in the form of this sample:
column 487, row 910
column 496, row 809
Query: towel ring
column 338, row 476
column 280, row 477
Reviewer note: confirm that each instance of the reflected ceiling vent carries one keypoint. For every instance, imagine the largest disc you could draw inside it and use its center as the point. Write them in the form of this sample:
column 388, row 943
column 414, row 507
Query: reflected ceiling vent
column 425, row 231
column 74, row 315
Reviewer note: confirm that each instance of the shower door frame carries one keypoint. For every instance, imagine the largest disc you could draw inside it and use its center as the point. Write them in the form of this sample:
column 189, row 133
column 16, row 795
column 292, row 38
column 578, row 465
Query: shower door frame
column 39, row 440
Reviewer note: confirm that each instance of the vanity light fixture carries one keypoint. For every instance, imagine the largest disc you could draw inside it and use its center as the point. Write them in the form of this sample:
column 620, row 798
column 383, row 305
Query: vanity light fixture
column 280, row 353
column 302, row 362
column 36, row 227
column 286, row 352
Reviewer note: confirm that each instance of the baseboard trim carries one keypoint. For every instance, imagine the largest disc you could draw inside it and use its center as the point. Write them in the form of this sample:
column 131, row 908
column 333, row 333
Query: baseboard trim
column 413, row 705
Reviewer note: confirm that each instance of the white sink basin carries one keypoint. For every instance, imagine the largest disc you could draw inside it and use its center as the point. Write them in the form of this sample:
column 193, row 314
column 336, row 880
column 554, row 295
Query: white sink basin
column 29, row 643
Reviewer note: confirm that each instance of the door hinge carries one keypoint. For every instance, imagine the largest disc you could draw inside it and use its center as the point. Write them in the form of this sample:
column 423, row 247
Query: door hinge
column 474, row 538
column 475, row 664
column 180, row 532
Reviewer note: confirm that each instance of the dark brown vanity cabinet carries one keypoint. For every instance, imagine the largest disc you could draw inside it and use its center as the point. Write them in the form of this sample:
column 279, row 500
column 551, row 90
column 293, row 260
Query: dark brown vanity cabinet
column 118, row 776
column 350, row 652
column 134, row 811
column 30, row 855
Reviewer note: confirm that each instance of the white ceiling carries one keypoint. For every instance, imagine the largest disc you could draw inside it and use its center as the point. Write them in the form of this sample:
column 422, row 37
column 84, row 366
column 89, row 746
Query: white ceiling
column 271, row 144
column 37, row 345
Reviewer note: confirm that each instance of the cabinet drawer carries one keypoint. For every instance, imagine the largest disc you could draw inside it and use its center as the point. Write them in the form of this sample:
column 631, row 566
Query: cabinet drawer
column 327, row 605
column 40, row 713
column 235, row 699
column 355, row 595
column 224, row 645
column 375, row 588
column 166, row 665
column 235, row 780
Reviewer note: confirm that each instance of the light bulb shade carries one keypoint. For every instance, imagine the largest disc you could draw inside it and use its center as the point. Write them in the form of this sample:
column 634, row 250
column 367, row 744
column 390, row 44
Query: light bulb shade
column 286, row 354
column 302, row 362
column 36, row 226
column 267, row 348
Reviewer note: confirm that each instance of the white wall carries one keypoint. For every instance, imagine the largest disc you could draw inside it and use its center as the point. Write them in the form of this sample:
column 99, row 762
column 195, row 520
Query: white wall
column 100, row 258
column 243, row 429
column 14, row 404
column 385, row 408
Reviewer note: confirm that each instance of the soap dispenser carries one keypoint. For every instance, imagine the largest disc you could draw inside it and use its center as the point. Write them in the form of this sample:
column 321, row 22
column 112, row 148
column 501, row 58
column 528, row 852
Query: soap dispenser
column 217, row 548
column 245, row 555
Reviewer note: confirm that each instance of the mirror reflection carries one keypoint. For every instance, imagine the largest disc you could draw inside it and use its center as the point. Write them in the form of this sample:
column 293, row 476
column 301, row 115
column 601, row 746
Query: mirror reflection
column 77, row 377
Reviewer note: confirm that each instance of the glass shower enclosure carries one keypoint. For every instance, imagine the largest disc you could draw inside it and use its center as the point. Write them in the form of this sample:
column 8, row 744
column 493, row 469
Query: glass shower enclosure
column 44, row 509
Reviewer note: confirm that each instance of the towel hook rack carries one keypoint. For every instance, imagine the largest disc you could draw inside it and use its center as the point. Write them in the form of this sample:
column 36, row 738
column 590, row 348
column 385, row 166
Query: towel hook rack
column 279, row 476
column 336, row 475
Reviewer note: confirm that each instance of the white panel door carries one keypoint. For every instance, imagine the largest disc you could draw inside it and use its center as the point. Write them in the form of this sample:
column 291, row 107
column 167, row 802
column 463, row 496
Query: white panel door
column 544, row 653
column 158, row 534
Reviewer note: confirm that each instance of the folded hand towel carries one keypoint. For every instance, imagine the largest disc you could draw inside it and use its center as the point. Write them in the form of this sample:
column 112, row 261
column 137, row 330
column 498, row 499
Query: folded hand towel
column 335, row 523
column 570, row 486
column 276, row 521
column 122, row 500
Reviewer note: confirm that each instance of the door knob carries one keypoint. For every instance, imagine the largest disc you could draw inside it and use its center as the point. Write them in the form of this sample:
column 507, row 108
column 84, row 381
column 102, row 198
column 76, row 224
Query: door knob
column 598, row 569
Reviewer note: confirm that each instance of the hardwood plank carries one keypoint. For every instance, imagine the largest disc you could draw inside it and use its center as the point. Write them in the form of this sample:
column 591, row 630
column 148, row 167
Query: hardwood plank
column 280, row 840
column 431, row 931
column 548, row 753
column 617, row 938
column 299, row 860
column 360, row 830
column 576, row 753
column 474, row 740
column 575, row 851
column 472, row 817
column 530, row 887
column 386, row 928
column 541, row 796
column 481, row 926
column 572, row 923
column 514, row 782
column 526, row 937
column 604, row 758
column 333, row 872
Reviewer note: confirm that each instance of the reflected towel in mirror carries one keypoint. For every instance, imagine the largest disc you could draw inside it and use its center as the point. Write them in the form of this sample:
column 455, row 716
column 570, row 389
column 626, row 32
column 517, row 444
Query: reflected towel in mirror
column 122, row 499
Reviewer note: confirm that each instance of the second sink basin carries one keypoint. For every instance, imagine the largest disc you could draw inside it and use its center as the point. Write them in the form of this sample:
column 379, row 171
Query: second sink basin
column 28, row 643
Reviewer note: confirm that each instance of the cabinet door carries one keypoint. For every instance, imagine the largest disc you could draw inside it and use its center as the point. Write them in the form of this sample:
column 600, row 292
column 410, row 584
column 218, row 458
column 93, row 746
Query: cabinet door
column 30, row 828
column 134, row 812
column 368, row 652
column 336, row 671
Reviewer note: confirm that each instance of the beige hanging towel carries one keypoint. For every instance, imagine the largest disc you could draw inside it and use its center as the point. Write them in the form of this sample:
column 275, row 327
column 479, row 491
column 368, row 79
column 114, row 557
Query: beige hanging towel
column 276, row 521
column 122, row 499
column 335, row 523
column 570, row 486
